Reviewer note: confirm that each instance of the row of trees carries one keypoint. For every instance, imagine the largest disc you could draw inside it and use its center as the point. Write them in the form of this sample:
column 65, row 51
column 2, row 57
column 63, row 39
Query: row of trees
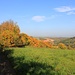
column 10, row 36
column 70, row 42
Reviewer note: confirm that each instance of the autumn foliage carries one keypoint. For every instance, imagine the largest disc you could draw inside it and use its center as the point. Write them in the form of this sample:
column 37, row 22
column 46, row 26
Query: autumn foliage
column 9, row 32
column 10, row 36
column 62, row 46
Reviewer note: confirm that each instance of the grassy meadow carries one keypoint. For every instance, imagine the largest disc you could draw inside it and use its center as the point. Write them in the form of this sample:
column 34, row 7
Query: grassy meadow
column 42, row 61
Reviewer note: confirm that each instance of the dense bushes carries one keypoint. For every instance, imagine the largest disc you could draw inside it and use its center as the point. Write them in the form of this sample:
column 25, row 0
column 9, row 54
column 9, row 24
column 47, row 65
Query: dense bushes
column 62, row 46
column 10, row 36
column 70, row 42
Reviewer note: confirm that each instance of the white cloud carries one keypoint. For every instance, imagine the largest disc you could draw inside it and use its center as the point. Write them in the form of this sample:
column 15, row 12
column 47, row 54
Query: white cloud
column 64, row 9
column 38, row 18
column 70, row 13
column 43, row 18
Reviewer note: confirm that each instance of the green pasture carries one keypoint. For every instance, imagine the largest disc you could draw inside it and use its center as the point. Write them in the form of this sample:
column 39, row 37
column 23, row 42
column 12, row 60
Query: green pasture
column 42, row 61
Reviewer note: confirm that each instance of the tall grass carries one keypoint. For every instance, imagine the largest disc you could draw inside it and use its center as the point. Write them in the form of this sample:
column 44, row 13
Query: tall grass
column 42, row 61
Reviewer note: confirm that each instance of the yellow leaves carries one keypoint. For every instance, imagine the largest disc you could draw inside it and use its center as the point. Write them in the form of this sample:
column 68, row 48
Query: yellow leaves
column 10, row 35
column 62, row 46
column 7, row 37
column 10, row 26
column 38, row 43
column 9, row 31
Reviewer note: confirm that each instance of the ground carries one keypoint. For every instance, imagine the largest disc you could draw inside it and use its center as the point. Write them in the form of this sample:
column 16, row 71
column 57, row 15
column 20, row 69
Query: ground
column 5, row 65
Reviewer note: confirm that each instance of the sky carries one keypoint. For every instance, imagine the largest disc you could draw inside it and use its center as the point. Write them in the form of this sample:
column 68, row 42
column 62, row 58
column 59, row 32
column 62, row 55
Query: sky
column 46, row 18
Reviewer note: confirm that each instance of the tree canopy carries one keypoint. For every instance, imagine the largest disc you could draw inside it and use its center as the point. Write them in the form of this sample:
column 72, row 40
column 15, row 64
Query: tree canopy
column 9, row 32
column 10, row 36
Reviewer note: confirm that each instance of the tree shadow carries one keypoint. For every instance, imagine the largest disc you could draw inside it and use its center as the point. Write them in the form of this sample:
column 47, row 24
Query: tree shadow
column 23, row 67
column 31, row 68
column 5, row 65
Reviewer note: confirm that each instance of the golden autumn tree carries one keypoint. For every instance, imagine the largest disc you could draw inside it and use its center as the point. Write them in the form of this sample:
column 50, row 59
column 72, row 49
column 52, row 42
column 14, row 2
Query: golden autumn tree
column 33, row 41
column 10, row 36
column 45, row 44
column 62, row 46
column 9, row 32
column 22, row 40
column 11, row 26
column 38, row 43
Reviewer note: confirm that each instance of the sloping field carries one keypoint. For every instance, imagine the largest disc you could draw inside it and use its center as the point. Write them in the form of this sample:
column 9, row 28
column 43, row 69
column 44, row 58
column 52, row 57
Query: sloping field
column 42, row 61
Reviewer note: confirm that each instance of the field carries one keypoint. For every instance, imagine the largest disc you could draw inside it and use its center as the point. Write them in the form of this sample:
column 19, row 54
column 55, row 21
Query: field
column 42, row 61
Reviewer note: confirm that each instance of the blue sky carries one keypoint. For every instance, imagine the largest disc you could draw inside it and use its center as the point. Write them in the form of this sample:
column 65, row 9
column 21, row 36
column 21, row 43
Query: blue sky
column 53, row 18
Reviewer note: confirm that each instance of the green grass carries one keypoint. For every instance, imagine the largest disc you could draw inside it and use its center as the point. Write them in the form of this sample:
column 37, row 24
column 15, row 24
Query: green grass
column 42, row 61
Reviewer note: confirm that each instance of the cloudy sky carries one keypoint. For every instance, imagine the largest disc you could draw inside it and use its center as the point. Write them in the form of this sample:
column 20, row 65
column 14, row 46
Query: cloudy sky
column 53, row 18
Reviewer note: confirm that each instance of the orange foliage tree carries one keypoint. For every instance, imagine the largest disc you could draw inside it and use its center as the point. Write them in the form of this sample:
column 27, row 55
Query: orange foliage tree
column 38, row 43
column 62, row 46
column 22, row 40
column 10, row 36
column 9, row 32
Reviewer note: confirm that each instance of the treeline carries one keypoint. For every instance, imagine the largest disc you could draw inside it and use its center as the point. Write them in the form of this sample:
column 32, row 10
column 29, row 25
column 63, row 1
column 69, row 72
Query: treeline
column 10, row 36
column 65, row 43
column 70, row 42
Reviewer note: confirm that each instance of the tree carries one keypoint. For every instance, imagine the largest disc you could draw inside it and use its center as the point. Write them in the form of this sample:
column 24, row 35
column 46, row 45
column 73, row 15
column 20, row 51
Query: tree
column 62, row 46
column 10, row 36
column 22, row 40
column 9, row 32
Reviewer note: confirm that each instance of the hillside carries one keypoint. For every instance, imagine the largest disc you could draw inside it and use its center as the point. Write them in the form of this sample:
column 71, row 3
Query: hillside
column 56, row 41
column 69, row 42
column 42, row 61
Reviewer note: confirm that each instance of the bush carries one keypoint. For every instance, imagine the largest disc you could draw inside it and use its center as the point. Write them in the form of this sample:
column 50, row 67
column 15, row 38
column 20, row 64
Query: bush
column 62, row 46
